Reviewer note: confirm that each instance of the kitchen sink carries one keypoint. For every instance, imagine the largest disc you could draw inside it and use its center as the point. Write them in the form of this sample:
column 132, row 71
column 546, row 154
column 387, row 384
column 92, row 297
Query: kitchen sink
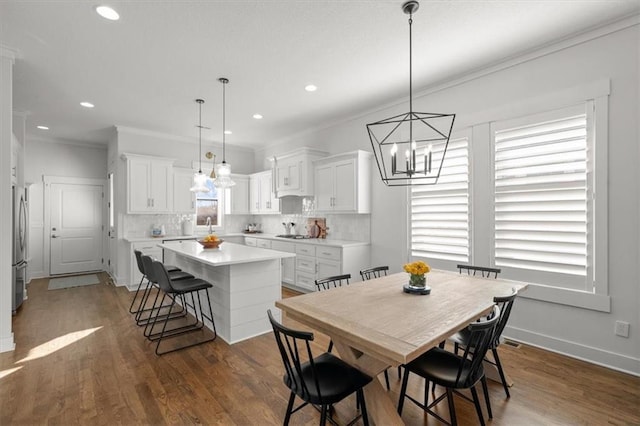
column 294, row 237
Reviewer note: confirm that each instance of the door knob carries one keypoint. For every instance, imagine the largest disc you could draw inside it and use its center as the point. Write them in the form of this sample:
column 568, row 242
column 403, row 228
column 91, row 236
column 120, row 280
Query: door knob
column 54, row 236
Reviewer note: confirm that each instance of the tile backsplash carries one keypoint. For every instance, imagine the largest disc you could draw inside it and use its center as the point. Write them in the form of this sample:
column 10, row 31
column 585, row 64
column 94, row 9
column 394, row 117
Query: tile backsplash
column 352, row 227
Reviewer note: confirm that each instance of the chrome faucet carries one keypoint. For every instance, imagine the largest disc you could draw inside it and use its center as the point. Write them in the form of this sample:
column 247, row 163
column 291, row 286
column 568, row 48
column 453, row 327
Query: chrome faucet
column 208, row 223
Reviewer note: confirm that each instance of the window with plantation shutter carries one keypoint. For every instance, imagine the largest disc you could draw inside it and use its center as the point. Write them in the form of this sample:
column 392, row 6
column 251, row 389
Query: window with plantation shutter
column 542, row 198
column 440, row 212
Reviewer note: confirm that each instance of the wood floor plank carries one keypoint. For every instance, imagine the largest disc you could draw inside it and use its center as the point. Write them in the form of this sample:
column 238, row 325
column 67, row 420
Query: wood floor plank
column 80, row 359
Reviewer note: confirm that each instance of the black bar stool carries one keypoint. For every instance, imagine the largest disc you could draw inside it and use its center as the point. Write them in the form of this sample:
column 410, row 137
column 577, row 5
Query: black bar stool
column 172, row 288
column 153, row 282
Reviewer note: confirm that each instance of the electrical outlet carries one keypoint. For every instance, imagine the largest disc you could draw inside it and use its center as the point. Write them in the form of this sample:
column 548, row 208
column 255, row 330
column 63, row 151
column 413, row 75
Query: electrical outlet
column 622, row 328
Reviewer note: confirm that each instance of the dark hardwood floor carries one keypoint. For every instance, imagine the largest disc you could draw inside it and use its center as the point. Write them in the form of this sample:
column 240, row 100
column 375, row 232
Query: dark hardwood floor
column 80, row 359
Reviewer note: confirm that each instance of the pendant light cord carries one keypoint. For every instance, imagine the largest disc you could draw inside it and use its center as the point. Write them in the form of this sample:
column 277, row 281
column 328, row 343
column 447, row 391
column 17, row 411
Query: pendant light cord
column 224, row 83
column 410, row 82
column 200, row 135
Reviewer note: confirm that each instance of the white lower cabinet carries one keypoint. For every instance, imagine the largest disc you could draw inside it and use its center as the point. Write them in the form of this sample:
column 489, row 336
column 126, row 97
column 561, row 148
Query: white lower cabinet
column 315, row 260
column 288, row 264
column 319, row 261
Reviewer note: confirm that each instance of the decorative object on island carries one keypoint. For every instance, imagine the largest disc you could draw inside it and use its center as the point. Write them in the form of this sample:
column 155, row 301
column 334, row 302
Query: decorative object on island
column 211, row 241
column 223, row 170
column 421, row 139
column 417, row 279
column 199, row 179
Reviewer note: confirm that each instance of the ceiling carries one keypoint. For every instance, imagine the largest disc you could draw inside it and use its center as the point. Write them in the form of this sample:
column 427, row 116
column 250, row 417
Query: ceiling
column 146, row 70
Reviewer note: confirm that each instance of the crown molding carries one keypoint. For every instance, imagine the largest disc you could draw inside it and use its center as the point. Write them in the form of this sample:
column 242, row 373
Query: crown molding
column 10, row 52
column 93, row 145
column 170, row 137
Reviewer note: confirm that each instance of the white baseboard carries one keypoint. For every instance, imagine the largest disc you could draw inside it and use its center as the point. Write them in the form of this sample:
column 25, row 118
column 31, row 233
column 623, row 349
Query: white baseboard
column 612, row 360
column 7, row 344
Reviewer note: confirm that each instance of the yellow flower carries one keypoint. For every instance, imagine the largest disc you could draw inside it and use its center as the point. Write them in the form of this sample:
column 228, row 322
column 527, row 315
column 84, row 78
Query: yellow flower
column 417, row 268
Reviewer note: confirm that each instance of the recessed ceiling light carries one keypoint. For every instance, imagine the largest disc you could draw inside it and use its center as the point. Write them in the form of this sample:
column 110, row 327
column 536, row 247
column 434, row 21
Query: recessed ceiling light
column 228, row 132
column 87, row 104
column 257, row 116
column 310, row 88
column 107, row 13
column 42, row 127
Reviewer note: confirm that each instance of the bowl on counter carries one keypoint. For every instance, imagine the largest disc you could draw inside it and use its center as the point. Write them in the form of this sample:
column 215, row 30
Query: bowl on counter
column 211, row 244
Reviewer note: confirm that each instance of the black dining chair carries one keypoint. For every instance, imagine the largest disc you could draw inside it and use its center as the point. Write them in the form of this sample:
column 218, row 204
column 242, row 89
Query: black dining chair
column 453, row 371
column 484, row 271
column 462, row 338
column 375, row 272
column 332, row 282
column 321, row 381
column 172, row 289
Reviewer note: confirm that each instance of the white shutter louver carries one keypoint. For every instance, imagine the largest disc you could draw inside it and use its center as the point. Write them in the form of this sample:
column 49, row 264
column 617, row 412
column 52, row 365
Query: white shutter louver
column 541, row 209
column 440, row 212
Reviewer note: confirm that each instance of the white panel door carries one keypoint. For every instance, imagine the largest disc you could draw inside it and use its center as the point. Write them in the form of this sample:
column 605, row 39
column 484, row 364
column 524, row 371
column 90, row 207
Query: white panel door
column 76, row 227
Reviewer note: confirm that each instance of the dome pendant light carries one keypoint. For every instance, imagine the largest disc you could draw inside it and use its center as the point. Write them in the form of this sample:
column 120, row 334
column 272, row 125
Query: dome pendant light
column 419, row 139
column 223, row 170
column 200, row 179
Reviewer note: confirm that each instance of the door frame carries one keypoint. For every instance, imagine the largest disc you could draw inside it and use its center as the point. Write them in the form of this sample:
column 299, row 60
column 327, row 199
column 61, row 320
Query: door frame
column 47, row 181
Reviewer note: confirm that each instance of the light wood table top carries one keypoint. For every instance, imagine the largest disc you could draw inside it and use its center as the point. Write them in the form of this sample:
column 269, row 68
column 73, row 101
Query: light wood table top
column 374, row 324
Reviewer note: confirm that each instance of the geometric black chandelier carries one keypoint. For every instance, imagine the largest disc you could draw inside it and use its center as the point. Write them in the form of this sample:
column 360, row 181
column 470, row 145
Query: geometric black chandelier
column 410, row 148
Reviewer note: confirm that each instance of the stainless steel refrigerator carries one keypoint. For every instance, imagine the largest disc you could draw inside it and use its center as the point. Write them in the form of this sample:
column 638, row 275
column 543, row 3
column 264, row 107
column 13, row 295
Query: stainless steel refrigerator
column 19, row 238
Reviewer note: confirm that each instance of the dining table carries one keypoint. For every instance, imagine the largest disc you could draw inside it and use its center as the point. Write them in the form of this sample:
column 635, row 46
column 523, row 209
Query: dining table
column 375, row 325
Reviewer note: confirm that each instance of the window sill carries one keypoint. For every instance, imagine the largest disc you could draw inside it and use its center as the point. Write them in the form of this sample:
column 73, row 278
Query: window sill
column 569, row 297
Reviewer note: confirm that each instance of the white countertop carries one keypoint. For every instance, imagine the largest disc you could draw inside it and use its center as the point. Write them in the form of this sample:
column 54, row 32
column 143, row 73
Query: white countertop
column 314, row 241
column 226, row 254
column 162, row 238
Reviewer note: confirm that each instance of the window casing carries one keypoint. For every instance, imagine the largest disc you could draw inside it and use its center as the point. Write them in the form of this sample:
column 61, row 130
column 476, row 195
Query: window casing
column 209, row 205
column 543, row 196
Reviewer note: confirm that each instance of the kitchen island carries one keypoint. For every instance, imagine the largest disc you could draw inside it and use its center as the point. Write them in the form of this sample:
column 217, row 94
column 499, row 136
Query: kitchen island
column 246, row 282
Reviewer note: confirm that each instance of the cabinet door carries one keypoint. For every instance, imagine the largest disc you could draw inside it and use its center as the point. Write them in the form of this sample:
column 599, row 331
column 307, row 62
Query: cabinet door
column 254, row 194
column 324, row 176
column 268, row 201
column 183, row 199
column 138, row 180
column 161, row 174
column 328, row 268
column 344, row 198
column 289, row 270
column 237, row 197
column 288, row 176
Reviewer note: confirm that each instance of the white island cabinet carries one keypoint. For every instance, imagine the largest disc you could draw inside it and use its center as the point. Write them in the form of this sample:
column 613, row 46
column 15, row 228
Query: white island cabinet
column 246, row 282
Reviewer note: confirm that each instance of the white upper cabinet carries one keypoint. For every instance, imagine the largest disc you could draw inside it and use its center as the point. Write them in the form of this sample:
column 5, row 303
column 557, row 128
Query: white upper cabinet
column 237, row 197
column 262, row 199
column 294, row 172
column 343, row 183
column 149, row 184
column 184, row 201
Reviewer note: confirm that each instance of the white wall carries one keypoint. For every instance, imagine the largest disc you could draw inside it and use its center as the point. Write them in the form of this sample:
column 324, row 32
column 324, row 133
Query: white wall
column 500, row 94
column 49, row 158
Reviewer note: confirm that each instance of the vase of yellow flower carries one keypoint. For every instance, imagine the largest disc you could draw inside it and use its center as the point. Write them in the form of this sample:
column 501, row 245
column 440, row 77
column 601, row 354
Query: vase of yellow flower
column 417, row 277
